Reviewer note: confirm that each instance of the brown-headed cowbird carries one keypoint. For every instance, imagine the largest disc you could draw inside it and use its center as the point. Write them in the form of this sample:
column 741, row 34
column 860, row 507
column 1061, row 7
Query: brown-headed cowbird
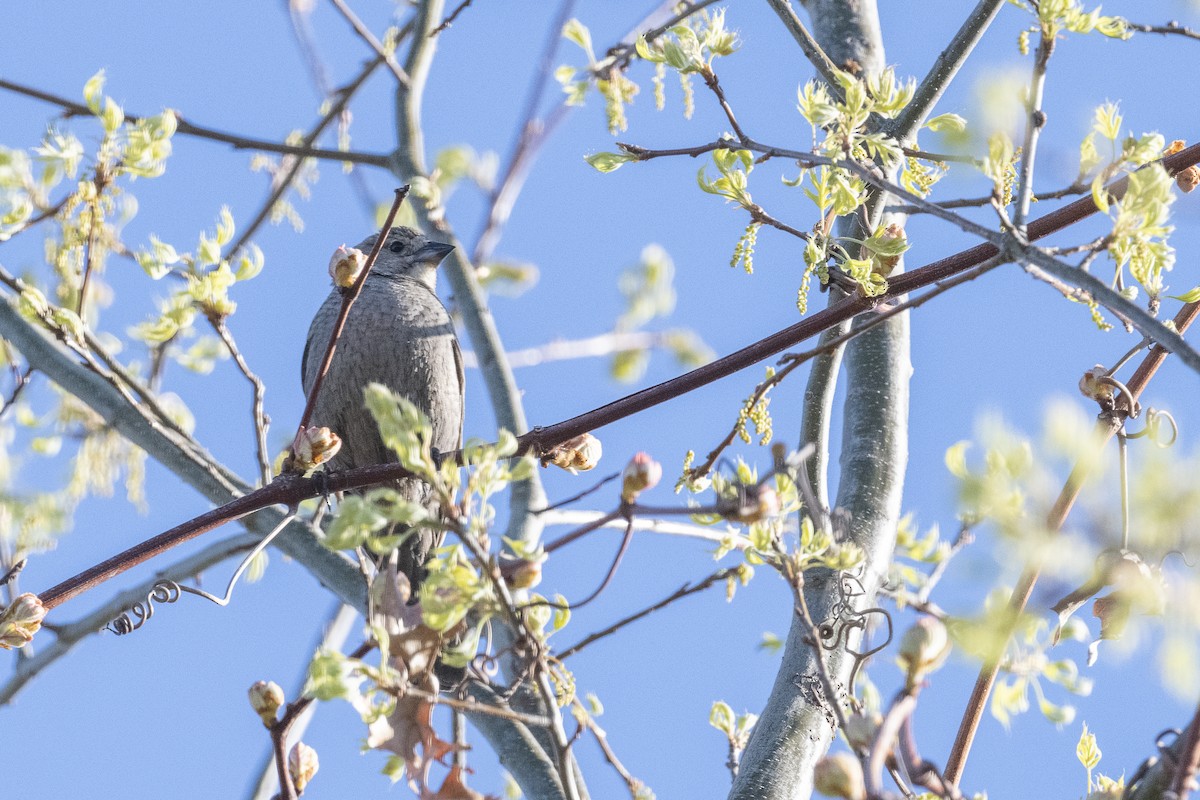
column 399, row 334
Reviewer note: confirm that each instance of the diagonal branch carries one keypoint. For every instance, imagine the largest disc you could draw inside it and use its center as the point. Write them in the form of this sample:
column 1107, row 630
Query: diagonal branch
column 942, row 73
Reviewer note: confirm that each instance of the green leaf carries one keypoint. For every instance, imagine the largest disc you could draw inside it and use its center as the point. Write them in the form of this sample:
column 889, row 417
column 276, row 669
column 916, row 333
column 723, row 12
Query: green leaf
column 1087, row 751
column 1190, row 296
column 952, row 123
column 575, row 31
column 608, row 162
column 722, row 717
column 93, row 92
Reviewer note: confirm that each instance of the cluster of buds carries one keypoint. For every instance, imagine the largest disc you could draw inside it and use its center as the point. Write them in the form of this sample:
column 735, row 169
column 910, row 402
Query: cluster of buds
column 313, row 447
column 1093, row 384
column 266, row 698
column 578, row 454
column 923, row 648
column 302, row 765
column 346, row 265
column 1186, row 179
column 20, row 621
column 840, row 775
column 641, row 473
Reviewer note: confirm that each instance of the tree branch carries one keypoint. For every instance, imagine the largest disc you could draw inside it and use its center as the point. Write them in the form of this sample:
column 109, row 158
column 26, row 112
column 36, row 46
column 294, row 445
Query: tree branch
column 1106, row 427
column 237, row 141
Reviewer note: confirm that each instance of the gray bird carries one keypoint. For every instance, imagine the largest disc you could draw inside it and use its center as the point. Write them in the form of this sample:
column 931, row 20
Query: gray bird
column 399, row 334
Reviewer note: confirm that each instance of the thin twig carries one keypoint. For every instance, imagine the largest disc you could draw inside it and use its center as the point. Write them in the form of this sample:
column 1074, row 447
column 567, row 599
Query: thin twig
column 1170, row 28
column 808, row 45
column 683, row 591
column 449, row 20
column 237, row 141
column 20, row 381
column 348, row 298
column 636, row 787
column 365, row 34
column 944, row 68
column 89, row 251
column 533, row 133
column 711, row 81
column 1035, row 120
column 258, row 417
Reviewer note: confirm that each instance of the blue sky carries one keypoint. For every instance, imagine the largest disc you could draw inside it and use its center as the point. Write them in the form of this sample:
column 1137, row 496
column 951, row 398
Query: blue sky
column 165, row 708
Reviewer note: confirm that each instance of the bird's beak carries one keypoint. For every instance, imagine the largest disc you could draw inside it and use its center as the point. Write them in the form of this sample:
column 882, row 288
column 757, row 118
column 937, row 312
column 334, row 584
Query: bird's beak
column 432, row 253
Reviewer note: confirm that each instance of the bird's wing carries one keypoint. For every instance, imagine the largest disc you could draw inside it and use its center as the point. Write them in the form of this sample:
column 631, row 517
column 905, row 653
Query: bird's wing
column 462, row 384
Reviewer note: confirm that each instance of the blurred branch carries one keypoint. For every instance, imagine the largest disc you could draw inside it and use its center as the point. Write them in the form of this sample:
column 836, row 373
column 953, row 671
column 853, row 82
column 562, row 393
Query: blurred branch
column 533, row 133
column 605, row 344
column 1170, row 28
column 944, row 69
column 364, row 33
column 289, row 170
column 1111, row 420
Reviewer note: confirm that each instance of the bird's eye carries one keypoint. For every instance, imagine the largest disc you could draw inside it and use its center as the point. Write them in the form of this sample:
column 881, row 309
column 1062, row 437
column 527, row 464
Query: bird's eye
column 396, row 247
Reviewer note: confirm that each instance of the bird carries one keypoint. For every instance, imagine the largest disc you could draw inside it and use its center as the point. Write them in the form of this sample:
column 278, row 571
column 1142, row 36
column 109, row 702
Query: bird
column 398, row 333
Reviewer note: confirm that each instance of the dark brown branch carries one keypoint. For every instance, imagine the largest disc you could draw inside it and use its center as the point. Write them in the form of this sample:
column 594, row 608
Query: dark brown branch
column 292, row 490
column 1189, row 761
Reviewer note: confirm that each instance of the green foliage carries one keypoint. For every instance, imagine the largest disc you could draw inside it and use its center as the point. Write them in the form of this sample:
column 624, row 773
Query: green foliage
column 649, row 290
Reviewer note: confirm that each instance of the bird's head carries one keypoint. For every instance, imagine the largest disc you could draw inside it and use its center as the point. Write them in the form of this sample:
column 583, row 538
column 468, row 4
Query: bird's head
column 407, row 253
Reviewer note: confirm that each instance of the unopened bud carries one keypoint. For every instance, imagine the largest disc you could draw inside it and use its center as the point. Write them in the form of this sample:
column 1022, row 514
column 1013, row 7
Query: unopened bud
column 759, row 506
column 895, row 240
column 840, row 775
column 314, row 446
column 860, row 730
column 1186, row 179
column 574, row 455
column 1091, row 385
column 20, row 621
column 923, row 648
column 346, row 265
column 266, row 698
column 521, row 573
column 641, row 473
column 303, row 765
